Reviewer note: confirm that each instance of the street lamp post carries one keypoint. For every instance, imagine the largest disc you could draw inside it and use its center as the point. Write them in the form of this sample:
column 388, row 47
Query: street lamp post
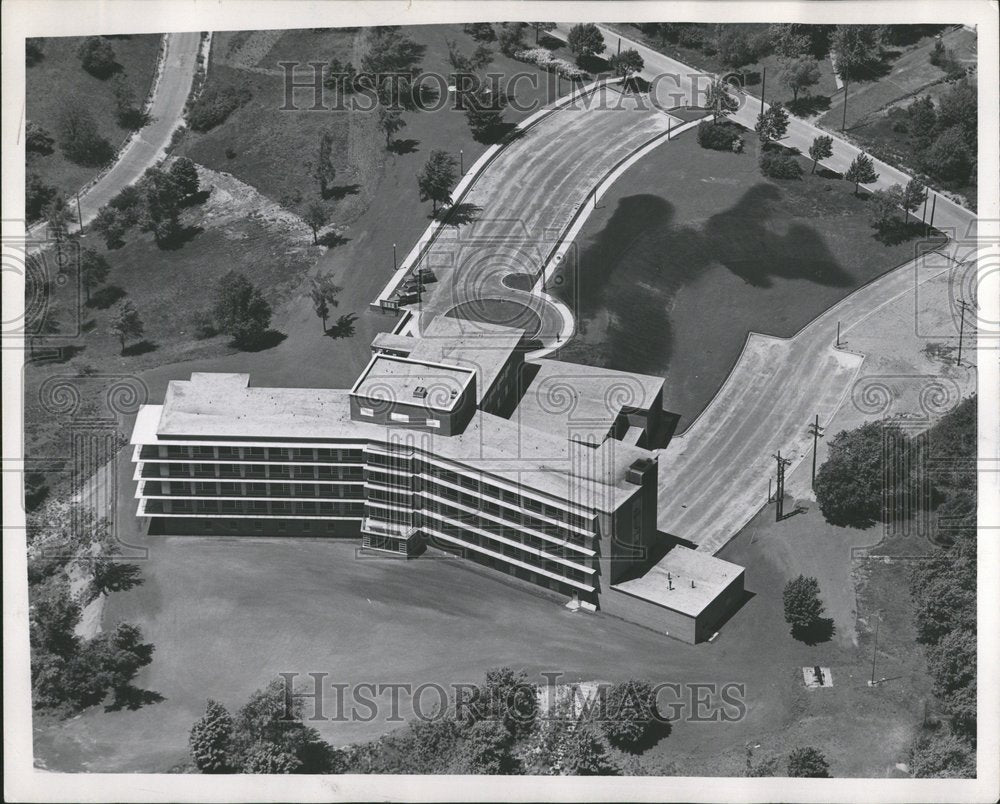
column 393, row 256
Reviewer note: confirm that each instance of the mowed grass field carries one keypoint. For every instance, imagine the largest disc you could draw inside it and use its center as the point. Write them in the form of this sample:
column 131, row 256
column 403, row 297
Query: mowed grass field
column 59, row 78
column 691, row 249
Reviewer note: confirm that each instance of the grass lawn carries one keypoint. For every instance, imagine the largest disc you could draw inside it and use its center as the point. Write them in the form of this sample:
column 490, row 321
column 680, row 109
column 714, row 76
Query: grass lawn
column 911, row 73
column 60, row 68
column 692, row 249
column 274, row 150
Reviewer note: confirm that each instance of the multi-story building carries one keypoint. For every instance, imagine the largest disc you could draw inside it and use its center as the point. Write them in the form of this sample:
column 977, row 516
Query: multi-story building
column 449, row 441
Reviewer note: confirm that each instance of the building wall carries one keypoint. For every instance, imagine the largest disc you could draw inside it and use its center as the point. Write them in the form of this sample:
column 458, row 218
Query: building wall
column 662, row 620
column 719, row 609
column 417, row 415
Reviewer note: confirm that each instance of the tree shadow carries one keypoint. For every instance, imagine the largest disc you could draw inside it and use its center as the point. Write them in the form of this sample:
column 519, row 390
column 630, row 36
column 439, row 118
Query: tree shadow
column 826, row 173
column 550, row 42
column 140, row 348
column 132, row 698
column 658, row 730
column 401, row 147
column 104, row 297
column 183, row 235
column 820, row 631
column 593, row 64
column 341, row 191
column 134, row 119
column 332, row 239
column 62, row 354
column 343, row 328
column 809, row 105
column 751, row 78
column 636, row 84
column 266, row 340
column 500, row 132
column 459, row 214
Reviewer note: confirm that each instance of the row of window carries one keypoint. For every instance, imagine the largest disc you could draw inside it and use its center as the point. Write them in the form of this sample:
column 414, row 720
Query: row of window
column 347, row 508
column 404, row 418
column 249, row 470
column 202, row 489
column 211, row 452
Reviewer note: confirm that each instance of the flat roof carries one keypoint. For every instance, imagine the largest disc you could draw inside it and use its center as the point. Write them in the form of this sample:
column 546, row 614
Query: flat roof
column 583, row 402
column 411, row 381
column 486, row 348
column 223, row 407
column 668, row 582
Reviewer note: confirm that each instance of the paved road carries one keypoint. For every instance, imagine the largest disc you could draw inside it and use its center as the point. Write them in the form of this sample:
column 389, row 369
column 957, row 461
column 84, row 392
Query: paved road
column 167, row 112
column 714, row 477
column 947, row 214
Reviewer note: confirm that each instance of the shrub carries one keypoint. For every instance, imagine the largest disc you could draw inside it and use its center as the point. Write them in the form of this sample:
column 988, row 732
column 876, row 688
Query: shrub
column 203, row 324
column 97, row 56
column 777, row 165
column 544, row 59
column 630, row 713
column 718, row 136
column 214, row 105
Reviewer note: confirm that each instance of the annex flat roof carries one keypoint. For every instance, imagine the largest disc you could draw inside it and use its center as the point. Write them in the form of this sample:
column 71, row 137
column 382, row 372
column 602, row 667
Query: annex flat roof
column 486, row 348
column 410, row 381
column 222, row 407
column 583, row 402
column 668, row 582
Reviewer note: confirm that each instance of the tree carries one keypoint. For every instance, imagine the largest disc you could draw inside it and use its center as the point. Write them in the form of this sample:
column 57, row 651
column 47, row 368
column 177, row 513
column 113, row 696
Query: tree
column 389, row 122
column 109, row 662
column 799, row 73
column 34, row 51
column 857, row 47
column 159, row 211
column 808, row 763
column 437, row 178
column 240, row 310
column 94, row 270
column 36, row 139
column 803, row 607
column 821, row 148
column 57, row 219
column 940, row 754
column 789, row 40
column 585, row 41
column 511, row 37
column 584, row 754
column 129, row 115
column 850, row 483
column 509, row 699
column 323, row 293
column 126, row 323
column 391, row 52
column 270, row 737
column 719, row 100
column 37, row 196
column 489, row 749
column 629, row 713
column 97, row 56
column 110, row 224
column 214, row 105
column 325, row 172
column 542, row 27
column 484, row 110
column 882, row 207
column 913, row 195
column 211, row 739
column 78, row 136
column 185, row 176
column 734, row 47
column 627, row 63
column 315, row 218
column 464, row 64
column 948, row 158
column 861, row 171
column 772, row 123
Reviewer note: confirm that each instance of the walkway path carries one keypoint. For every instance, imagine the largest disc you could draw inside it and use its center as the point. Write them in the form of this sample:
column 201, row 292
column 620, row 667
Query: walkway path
column 951, row 218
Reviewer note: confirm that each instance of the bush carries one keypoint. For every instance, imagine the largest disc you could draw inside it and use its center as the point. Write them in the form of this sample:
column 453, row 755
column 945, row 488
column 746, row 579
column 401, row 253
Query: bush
column 630, row 713
column 777, row 165
column 214, row 105
column 203, row 324
column 97, row 56
column 544, row 59
column 719, row 136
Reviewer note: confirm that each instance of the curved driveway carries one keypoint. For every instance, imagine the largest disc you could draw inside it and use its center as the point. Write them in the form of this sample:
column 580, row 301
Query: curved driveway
column 149, row 145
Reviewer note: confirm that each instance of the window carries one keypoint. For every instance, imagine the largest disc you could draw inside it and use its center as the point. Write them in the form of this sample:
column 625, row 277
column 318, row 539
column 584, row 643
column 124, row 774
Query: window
column 258, row 524
column 399, row 417
column 434, row 423
column 367, row 412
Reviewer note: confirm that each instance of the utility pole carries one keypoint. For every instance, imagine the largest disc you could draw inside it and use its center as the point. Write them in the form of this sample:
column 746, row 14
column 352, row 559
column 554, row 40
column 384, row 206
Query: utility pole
column 763, row 85
column 393, row 256
column 933, row 207
column 79, row 214
column 878, row 617
column 963, row 305
column 817, row 433
column 619, row 45
column 838, row 334
column 843, row 123
column 779, row 509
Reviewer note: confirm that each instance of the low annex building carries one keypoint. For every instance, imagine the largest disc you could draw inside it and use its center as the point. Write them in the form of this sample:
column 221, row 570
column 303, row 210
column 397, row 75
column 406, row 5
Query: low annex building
column 542, row 470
